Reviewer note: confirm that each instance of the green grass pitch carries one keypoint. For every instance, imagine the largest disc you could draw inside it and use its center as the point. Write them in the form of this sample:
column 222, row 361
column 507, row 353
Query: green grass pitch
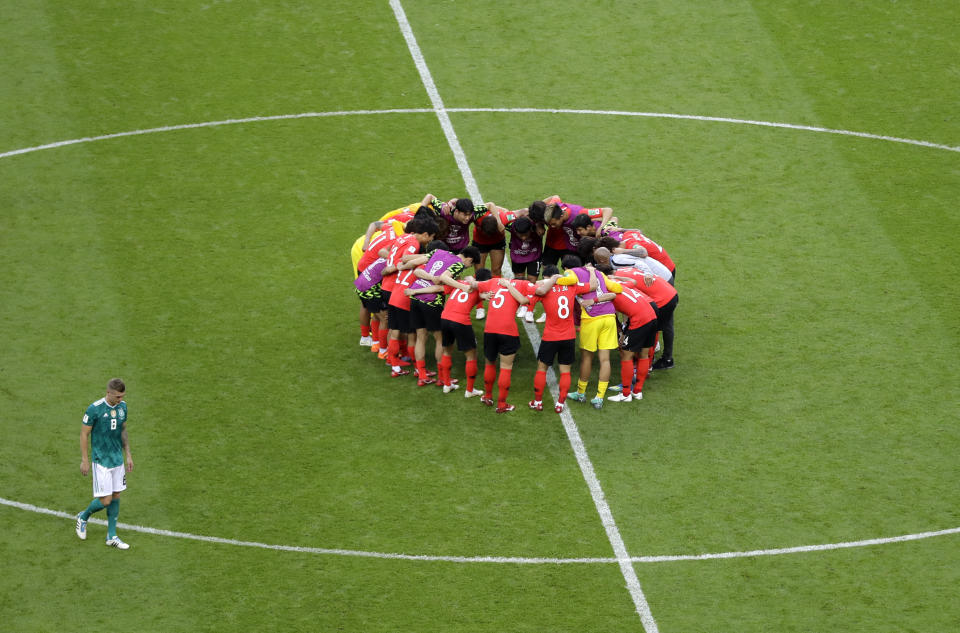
column 815, row 397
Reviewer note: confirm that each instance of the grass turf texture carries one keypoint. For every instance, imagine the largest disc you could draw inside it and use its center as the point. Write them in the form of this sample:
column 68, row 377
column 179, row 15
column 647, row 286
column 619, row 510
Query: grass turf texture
column 814, row 399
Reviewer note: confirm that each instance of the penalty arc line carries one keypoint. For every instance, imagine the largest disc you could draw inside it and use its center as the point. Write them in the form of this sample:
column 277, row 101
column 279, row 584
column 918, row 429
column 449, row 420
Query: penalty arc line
column 504, row 560
column 583, row 460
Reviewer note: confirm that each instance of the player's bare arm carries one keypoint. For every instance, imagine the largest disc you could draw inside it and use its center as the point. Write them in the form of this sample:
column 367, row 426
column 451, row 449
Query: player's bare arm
column 125, row 441
column 84, row 449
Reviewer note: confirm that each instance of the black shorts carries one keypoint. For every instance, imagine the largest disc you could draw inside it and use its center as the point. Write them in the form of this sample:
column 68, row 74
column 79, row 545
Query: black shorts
column 423, row 316
column 665, row 314
column 486, row 248
column 640, row 338
column 551, row 256
column 372, row 299
column 526, row 268
column 564, row 351
column 458, row 333
column 494, row 344
column 398, row 319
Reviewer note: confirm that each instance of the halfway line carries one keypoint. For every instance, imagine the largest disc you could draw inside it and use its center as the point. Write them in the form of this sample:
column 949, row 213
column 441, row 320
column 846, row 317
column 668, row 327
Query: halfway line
column 573, row 434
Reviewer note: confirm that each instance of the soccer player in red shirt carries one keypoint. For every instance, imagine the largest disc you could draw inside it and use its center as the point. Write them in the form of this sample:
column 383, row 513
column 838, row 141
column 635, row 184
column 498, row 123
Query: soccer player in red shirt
column 666, row 297
column 638, row 336
column 559, row 334
column 456, row 328
column 419, row 232
column 425, row 315
column 500, row 335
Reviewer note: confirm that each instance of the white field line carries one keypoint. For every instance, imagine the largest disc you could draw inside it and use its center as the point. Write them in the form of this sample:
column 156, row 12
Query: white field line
column 504, row 560
column 713, row 119
column 573, row 434
column 444, row 117
column 190, row 126
column 437, row 102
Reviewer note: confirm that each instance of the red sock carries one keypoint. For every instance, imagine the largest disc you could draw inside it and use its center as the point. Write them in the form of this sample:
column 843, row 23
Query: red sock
column 470, row 371
column 643, row 367
column 446, row 363
column 503, row 386
column 421, row 366
column 404, row 350
column 384, row 338
column 564, row 386
column 392, row 350
column 375, row 328
column 489, row 375
column 539, row 382
column 364, row 330
column 626, row 376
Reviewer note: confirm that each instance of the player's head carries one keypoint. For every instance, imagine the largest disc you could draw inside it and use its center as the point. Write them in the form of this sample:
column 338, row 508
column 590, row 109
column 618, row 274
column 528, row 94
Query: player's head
column 424, row 228
column 465, row 205
column 601, row 256
column 425, row 212
column 585, row 249
column 116, row 390
column 489, row 226
column 536, row 210
column 570, row 261
column 555, row 215
column 550, row 270
column 583, row 225
column 482, row 274
column 436, row 245
column 471, row 253
column 608, row 242
column 462, row 210
column 522, row 227
column 443, row 228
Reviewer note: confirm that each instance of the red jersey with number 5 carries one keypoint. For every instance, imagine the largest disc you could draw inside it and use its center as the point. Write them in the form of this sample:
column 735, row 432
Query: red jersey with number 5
column 502, row 307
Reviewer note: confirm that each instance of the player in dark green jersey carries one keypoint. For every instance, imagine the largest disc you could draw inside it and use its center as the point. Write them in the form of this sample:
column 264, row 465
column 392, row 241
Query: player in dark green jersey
column 104, row 431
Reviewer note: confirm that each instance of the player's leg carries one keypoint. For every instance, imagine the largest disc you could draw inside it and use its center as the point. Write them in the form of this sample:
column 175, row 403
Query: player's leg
column 496, row 261
column 626, row 377
column 491, row 350
column 503, row 382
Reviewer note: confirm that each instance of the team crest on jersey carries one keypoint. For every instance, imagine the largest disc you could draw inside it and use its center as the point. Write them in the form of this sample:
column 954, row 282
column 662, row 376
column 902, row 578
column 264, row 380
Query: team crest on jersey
column 123, row 414
column 113, row 413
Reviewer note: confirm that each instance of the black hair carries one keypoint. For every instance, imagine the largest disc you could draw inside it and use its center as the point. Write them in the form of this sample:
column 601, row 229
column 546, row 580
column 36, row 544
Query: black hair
column 413, row 225
column 465, row 205
column 536, row 210
column 522, row 225
column 436, row 245
column 489, row 226
column 472, row 252
column 482, row 274
column 443, row 228
column 608, row 242
column 550, row 270
column 582, row 221
column 570, row 261
column 585, row 250
column 427, row 225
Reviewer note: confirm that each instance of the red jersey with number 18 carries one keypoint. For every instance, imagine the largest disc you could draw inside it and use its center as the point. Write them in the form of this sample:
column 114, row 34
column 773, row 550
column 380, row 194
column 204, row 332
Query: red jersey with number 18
column 458, row 305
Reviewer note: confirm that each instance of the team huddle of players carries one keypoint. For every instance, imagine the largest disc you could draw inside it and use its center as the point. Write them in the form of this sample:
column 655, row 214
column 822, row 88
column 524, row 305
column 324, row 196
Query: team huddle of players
column 612, row 286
